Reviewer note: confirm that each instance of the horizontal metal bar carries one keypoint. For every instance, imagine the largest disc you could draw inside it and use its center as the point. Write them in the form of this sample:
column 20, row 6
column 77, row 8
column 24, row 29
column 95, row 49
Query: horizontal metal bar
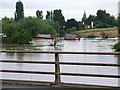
column 52, row 73
column 29, row 72
column 65, row 63
column 91, row 64
column 31, row 62
column 90, row 75
column 53, row 52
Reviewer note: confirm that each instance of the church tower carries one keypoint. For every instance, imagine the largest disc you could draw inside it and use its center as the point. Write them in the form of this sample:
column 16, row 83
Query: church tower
column 84, row 17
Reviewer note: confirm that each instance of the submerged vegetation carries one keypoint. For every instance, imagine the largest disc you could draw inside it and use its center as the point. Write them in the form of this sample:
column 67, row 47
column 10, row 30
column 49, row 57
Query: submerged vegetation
column 116, row 47
column 24, row 30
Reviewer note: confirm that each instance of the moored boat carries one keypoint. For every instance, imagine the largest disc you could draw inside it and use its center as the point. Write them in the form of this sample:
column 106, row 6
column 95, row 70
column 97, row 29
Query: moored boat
column 44, row 36
column 72, row 37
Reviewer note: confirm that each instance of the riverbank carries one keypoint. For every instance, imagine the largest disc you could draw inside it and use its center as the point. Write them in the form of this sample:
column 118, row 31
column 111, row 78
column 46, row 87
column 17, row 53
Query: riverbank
column 110, row 32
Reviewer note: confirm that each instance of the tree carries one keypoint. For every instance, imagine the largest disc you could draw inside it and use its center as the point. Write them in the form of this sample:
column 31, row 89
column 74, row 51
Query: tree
column 19, row 13
column 31, row 24
column 39, row 14
column 101, row 15
column 104, row 19
column 13, row 33
column 24, row 30
column 80, row 26
column 58, row 17
column 49, row 15
column 90, row 19
column 71, row 23
column 71, row 30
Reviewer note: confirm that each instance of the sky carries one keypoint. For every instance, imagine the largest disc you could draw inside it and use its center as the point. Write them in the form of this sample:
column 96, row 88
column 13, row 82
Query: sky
column 70, row 8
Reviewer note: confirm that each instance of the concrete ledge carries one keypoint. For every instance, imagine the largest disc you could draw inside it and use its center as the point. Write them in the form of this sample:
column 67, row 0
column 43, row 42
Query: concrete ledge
column 39, row 84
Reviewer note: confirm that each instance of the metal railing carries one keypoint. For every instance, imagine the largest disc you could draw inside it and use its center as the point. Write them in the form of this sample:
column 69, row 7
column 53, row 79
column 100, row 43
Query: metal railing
column 57, row 64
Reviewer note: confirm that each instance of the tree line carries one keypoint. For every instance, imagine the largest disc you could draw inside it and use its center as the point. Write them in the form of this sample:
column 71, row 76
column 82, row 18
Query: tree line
column 21, row 30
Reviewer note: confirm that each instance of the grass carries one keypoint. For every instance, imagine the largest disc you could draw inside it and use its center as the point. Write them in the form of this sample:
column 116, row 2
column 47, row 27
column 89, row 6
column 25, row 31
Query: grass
column 93, row 30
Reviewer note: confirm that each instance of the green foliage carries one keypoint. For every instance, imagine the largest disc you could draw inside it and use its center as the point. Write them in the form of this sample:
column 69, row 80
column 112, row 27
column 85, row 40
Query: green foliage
column 96, row 29
column 13, row 35
column 49, row 15
column 116, row 47
column 21, row 37
column 71, row 23
column 39, row 14
column 102, row 25
column 80, row 26
column 90, row 19
column 102, row 20
column 30, row 23
column 24, row 30
column 19, row 13
column 101, row 15
column 58, row 17
column 70, row 30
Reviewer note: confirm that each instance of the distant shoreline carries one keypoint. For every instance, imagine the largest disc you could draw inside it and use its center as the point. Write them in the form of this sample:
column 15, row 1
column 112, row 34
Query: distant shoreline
column 113, row 32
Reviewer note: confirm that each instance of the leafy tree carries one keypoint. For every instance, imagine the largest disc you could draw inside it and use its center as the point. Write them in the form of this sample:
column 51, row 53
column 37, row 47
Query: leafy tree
column 30, row 23
column 58, row 17
column 24, row 30
column 47, row 27
column 101, row 15
column 90, row 19
column 39, row 14
column 71, row 23
column 70, row 30
column 104, row 19
column 5, row 22
column 80, row 26
column 19, row 13
column 49, row 15
column 12, row 33
column 22, row 37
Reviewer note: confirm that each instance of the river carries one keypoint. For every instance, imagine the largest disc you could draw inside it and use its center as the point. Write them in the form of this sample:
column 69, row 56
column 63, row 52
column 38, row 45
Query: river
column 84, row 45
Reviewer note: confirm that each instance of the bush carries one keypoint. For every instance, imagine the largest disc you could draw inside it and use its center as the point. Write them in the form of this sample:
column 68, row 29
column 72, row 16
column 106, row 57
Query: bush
column 116, row 47
column 102, row 25
column 70, row 30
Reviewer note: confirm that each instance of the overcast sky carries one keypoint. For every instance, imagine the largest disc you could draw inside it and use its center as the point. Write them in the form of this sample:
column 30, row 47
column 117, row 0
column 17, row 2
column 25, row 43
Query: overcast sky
column 70, row 8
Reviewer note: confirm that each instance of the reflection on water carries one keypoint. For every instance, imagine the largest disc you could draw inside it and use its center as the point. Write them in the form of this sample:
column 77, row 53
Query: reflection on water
column 84, row 45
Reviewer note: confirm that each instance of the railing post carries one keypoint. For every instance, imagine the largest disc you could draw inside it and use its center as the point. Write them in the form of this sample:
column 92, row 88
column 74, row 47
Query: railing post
column 57, row 81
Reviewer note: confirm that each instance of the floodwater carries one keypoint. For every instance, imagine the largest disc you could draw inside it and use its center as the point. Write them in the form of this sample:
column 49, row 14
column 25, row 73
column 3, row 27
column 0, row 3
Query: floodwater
column 84, row 45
